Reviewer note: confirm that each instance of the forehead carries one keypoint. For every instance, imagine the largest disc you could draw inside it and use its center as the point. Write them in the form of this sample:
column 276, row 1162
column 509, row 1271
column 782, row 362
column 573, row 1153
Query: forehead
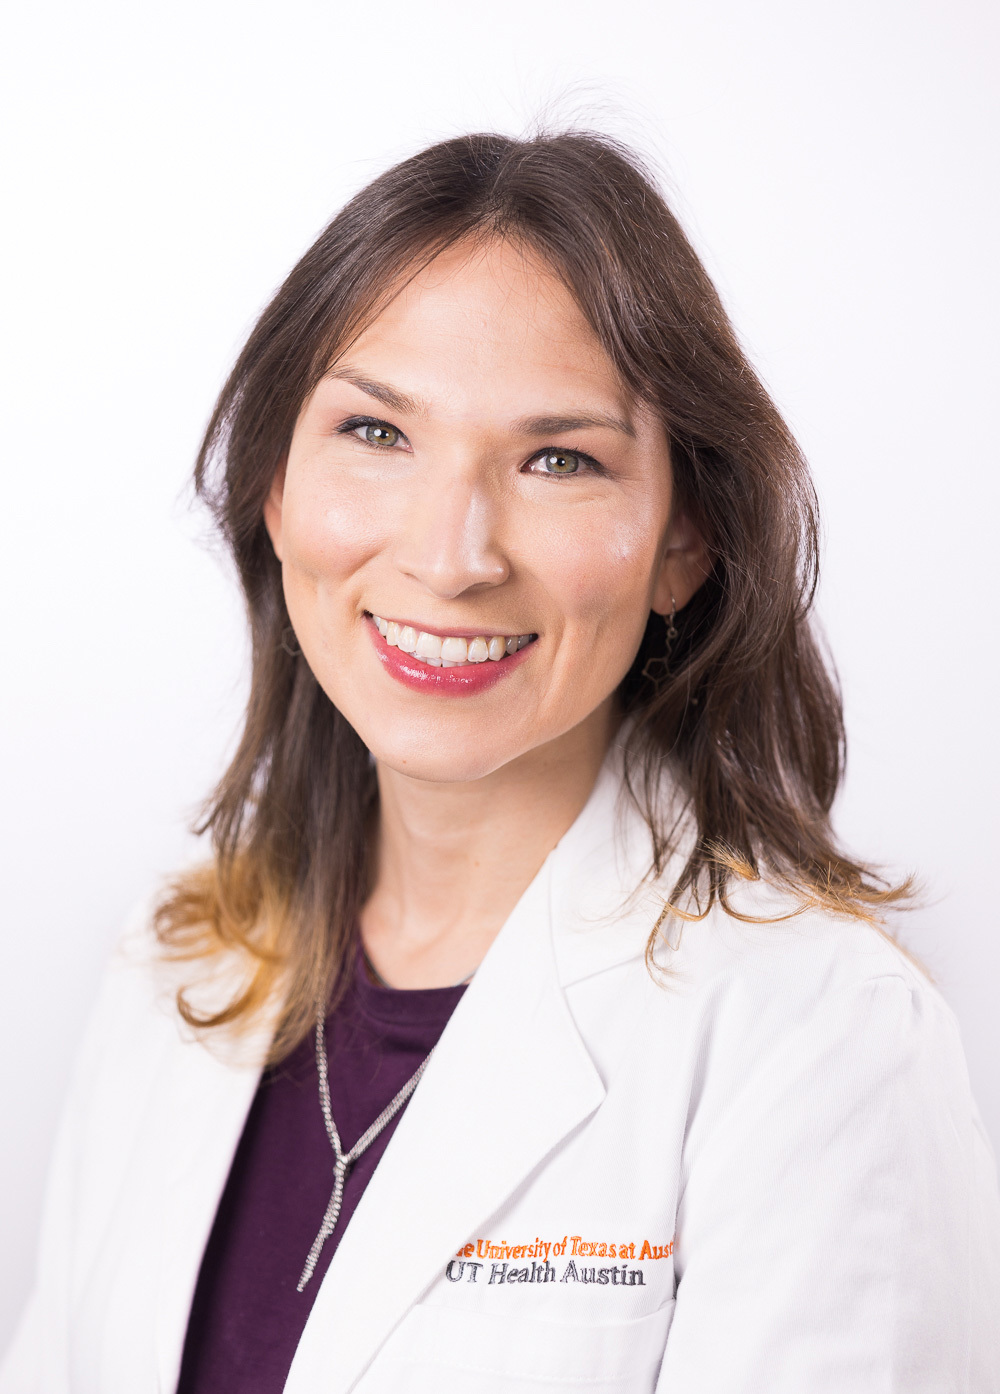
column 489, row 320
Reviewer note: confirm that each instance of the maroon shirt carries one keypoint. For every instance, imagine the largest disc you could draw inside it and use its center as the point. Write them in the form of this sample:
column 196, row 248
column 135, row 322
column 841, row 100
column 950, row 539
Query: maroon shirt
column 246, row 1317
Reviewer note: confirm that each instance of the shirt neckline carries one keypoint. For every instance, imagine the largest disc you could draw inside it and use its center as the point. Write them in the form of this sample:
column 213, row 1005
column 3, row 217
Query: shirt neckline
column 401, row 1005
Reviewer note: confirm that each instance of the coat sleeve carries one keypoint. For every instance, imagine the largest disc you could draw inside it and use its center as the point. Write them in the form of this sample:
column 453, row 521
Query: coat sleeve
column 39, row 1361
column 36, row 1362
column 839, row 1226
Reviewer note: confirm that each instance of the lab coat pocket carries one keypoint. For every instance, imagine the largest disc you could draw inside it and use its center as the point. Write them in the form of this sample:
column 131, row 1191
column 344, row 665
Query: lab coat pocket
column 437, row 1350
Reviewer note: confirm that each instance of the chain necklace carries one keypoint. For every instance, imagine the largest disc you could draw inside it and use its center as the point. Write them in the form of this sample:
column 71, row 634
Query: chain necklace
column 343, row 1161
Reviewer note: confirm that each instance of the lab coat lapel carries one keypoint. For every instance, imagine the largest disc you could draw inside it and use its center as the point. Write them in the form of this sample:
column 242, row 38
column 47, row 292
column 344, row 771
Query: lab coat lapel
column 206, row 1100
column 508, row 1081
column 605, row 900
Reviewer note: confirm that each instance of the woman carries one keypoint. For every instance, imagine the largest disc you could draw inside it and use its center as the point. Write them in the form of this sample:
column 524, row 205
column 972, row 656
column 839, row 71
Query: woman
column 527, row 1027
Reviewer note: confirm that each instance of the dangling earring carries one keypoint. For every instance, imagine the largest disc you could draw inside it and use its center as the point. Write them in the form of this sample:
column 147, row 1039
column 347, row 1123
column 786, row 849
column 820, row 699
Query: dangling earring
column 671, row 627
column 664, row 661
column 289, row 642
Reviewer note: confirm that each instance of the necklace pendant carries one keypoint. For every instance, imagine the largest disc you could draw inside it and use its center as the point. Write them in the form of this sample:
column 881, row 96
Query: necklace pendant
column 330, row 1219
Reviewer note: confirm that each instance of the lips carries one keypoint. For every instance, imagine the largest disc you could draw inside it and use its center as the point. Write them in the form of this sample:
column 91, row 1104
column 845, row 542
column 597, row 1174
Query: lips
column 424, row 668
column 449, row 650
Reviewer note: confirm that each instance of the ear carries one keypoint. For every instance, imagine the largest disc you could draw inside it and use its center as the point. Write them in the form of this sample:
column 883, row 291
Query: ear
column 273, row 504
column 686, row 564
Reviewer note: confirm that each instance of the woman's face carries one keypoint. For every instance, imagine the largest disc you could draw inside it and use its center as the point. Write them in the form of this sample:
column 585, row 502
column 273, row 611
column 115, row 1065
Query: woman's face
column 472, row 472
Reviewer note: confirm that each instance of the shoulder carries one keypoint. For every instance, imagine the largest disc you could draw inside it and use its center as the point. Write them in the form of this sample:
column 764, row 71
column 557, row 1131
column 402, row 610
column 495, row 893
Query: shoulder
column 774, row 1012
column 772, row 968
column 778, row 957
column 136, row 1014
column 821, row 1033
column 765, row 944
column 774, row 973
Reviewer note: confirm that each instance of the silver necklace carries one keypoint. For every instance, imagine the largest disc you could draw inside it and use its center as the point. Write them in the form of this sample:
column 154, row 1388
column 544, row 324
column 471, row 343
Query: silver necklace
column 343, row 1161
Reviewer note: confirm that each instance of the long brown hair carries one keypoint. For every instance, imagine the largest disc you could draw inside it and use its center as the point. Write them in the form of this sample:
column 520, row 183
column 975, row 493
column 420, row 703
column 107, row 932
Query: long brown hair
column 746, row 711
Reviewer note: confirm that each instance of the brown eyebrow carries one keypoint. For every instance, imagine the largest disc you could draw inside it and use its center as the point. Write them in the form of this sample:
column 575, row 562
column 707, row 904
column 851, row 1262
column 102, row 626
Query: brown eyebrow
column 389, row 396
column 554, row 425
column 395, row 400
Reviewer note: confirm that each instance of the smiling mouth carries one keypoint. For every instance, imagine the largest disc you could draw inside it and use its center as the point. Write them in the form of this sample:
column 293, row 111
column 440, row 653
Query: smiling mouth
column 449, row 650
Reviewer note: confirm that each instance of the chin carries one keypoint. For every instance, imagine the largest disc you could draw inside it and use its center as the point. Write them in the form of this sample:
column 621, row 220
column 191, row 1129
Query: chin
column 442, row 750
column 440, row 761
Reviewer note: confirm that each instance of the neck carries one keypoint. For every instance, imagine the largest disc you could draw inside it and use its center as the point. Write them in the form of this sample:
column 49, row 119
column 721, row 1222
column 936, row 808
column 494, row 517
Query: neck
column 452, row 860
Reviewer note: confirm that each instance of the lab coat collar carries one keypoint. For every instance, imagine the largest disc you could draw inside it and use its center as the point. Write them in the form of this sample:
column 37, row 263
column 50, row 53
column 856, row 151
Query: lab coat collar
column 510, row 1078
column 606, row 899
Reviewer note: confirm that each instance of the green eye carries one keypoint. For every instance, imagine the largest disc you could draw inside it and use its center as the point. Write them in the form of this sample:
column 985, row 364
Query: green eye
column 560, row 462
column 378, row 434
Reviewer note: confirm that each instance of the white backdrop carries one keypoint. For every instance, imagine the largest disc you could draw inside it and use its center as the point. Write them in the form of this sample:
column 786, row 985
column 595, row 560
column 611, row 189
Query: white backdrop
column 165, row 166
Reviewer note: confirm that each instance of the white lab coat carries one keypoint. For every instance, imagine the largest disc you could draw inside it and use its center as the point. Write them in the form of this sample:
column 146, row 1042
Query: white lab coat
column 777, row 1138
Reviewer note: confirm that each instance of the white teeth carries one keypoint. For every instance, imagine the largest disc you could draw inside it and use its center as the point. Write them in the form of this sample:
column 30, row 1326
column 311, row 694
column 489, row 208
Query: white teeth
column 428, row 645
column 448, row 651
column 455, row 650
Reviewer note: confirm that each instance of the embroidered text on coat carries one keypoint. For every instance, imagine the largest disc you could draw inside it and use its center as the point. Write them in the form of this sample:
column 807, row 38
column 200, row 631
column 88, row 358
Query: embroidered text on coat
column 499, row 1262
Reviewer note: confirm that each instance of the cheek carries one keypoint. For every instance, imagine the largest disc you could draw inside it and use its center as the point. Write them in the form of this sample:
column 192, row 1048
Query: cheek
column 327, row 532
column 601, row 574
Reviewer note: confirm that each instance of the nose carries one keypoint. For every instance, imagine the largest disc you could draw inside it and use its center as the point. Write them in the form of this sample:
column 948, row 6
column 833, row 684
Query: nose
column 448, row 538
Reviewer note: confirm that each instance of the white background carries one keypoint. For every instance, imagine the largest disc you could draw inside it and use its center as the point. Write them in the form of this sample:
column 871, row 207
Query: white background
column 167, row 164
